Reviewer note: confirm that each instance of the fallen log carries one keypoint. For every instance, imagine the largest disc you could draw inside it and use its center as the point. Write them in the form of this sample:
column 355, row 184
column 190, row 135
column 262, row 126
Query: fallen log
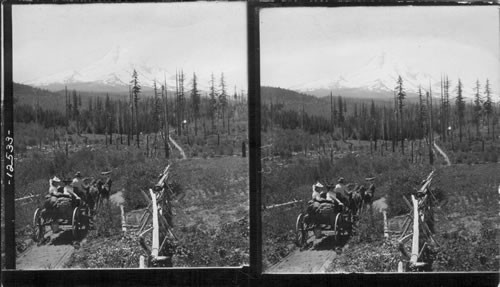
column 281, row 204
column 26, row 197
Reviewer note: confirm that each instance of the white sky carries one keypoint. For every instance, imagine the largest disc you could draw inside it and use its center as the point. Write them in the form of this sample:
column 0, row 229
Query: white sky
column 196, row 37
column 304, row 44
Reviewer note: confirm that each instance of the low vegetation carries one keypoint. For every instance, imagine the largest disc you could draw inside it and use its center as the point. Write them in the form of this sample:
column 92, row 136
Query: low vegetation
column 465, row 198
column 211, row 197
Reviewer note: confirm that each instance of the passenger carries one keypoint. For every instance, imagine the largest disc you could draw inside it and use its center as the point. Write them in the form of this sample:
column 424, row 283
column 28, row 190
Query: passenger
column 79, row 186
column 341, row 193
column 319, row 196
column 56, row 190
column 69, row 192
column 318, row 193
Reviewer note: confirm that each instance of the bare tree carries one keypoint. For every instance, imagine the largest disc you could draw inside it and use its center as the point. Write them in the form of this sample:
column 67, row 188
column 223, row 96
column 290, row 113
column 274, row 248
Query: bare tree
column 401, row 95
column 487, row 105
column 136, row 90
column 223, row 97
column 195, row 102
column 478, row 102
column 460, row 103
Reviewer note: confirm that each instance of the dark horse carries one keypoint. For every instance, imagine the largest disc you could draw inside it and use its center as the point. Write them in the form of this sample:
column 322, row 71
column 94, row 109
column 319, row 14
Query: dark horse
column 98, row 192
column 361, row 196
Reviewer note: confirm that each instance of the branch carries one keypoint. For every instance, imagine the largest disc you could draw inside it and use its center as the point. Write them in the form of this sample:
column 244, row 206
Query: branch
column 282, row 204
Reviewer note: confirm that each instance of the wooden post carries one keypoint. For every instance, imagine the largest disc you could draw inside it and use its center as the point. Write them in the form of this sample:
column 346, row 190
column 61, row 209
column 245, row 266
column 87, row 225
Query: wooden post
column 386, row 227
column 142, row 262
column 124, row 223
column 155, row 244
column 400, row 267
column 412, row 152
column 414, row 247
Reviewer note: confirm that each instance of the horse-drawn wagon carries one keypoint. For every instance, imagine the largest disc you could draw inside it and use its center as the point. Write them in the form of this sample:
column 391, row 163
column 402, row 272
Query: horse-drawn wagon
column 67, row 212
column 329, row 217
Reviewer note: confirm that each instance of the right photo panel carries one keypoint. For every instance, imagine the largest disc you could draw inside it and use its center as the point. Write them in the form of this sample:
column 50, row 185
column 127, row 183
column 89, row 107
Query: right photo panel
column 380, row 139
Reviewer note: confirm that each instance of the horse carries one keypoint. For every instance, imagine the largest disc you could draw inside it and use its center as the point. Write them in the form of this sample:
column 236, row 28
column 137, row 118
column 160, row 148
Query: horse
column 369, row 194
column 99, row 191
column 360, row 197
column 357, row 199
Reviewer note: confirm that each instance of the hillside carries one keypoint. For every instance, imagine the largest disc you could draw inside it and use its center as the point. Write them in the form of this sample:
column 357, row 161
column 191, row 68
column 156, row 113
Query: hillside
column 50, row 100
column 313, row 105
column 54, row 100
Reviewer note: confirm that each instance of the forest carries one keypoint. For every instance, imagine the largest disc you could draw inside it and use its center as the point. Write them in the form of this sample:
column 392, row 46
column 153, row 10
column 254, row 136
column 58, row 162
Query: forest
column 396, row 141
column 201, row 134
column 124, row 118
column 447, row 113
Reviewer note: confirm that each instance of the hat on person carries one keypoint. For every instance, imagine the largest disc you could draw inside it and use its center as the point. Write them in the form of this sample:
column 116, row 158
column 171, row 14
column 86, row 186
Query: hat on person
column 341, row 180
column 318, row 184
column 78, row 174
column 56, row 179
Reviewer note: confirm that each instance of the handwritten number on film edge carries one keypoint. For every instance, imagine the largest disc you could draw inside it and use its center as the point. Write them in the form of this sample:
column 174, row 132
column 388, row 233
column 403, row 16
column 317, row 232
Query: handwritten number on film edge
column 9, row 156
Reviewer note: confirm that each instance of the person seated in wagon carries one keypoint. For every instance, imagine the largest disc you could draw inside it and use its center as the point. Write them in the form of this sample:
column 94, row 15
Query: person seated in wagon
column 57, row 196
column 79, row 186
column 341, row 192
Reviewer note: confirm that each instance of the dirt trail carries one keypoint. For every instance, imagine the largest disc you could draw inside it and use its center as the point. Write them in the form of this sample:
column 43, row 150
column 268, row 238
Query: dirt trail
column 320, row 254
column 380, row 204
column 446, row 158
column 177, row 146
column 52, row 255
column 315, row 259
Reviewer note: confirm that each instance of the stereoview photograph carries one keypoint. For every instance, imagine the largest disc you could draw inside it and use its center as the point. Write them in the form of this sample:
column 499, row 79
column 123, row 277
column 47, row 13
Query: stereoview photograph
column 131, row 135
column 380, row 139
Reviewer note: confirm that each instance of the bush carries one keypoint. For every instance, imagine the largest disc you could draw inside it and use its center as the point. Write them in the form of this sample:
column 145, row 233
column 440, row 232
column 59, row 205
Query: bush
column 403, row 183
column 490, row 156
column 370, row 227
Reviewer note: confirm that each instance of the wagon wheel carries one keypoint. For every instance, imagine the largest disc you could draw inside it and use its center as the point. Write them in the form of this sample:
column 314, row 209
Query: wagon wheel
column 38, row 227
column 87, row 217
column 300, row 231
column 76, row 223
column 339, row 221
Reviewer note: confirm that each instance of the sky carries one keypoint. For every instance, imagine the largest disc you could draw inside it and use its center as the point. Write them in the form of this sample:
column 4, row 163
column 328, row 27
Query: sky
column 196, row 37
column 331, row 42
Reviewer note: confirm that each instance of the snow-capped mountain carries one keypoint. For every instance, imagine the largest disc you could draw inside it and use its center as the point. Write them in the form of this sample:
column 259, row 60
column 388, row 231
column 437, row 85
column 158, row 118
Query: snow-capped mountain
column 377, row 75
column 113, row 72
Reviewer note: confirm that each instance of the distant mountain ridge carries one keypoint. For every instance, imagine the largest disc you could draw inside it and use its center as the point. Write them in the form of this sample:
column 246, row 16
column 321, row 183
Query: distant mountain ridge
column 377, row 78
column 314, row 105
column 112, row 73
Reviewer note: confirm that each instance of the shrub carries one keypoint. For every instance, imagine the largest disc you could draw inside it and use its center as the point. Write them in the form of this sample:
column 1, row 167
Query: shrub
column 370, row 227
column 403, row 183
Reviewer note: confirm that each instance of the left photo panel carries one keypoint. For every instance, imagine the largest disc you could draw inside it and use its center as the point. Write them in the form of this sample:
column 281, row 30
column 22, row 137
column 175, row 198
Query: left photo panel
column 130, row 135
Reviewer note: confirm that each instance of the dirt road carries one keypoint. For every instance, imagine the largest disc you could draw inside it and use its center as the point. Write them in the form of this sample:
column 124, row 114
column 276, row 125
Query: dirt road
column 319, row 255
column 177, row 146
column 317, row 258
column 51, row 255
column 446, row 158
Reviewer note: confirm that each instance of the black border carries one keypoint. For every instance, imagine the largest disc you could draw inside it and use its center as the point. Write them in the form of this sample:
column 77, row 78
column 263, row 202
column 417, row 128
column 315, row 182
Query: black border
column 365, row 279
column 204, row 276
column 8, row 129
column 239, row 276
column 254, row 140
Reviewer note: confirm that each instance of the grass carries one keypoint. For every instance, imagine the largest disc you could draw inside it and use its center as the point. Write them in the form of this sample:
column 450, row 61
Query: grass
column 214, row 210
column 213, row 145
column 472, row 151
column 285, row 180
column 467, row 192
column 467, row 219
column 211, row 210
